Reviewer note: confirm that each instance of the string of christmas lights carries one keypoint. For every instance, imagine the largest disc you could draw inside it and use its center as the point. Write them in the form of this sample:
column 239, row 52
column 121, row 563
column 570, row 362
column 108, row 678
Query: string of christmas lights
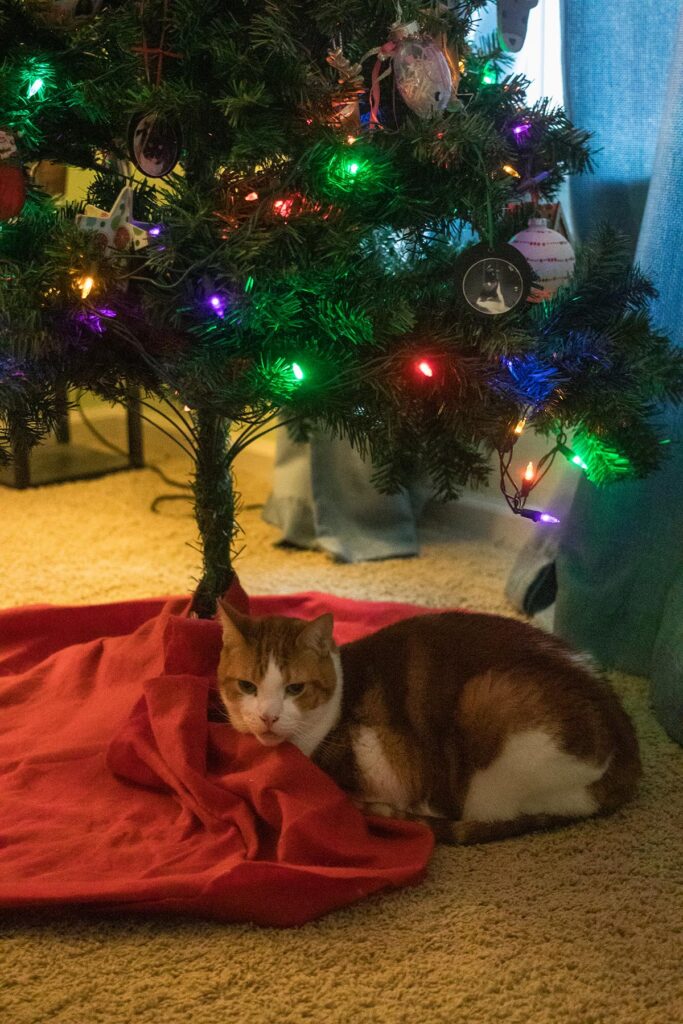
column 338, row 226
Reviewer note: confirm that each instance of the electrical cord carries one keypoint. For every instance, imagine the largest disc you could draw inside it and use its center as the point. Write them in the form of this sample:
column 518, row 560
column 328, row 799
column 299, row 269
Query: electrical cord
column 148, row 465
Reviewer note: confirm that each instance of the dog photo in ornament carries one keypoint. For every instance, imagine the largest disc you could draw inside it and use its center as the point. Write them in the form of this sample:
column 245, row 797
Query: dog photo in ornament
column 69, row 10
column 493, row 287
column 490, row 298
column 7, row 145
column 12, row 184
column 493, row 279
column 154, row 145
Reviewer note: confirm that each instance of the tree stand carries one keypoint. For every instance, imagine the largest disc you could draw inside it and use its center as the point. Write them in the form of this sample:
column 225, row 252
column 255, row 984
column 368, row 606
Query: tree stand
column 59, row 460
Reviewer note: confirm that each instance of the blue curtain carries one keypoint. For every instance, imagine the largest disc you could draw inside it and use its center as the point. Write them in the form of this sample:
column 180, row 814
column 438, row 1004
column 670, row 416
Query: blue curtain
column 619, row 565
column 617, row 74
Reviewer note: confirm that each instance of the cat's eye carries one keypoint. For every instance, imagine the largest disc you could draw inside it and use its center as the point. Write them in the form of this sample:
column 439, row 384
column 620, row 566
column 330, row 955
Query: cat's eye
column 246, row 686
column 294, row 689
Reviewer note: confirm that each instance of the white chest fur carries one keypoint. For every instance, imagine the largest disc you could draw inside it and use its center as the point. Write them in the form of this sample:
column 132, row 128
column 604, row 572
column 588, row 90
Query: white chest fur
column 381, row 781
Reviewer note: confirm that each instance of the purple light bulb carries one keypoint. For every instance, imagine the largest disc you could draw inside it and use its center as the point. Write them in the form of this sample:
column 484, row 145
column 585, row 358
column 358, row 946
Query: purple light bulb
column 90, row 320
column 536, row 516
column 218, row 303
column 154, row 231
column 521, row 129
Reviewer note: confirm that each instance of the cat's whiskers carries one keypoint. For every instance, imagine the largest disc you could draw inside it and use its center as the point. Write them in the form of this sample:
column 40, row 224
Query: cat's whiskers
column 330, row 746
column 220, row 710
column 299, row 730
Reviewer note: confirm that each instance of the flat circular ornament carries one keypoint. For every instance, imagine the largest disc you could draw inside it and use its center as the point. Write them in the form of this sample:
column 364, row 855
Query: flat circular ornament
column 12, row 181
column 493, row 280
column 71, row 10
column 154, row 144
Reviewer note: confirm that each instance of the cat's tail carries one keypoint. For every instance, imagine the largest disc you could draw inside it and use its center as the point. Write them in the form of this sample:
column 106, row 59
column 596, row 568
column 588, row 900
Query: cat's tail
column 466, row 833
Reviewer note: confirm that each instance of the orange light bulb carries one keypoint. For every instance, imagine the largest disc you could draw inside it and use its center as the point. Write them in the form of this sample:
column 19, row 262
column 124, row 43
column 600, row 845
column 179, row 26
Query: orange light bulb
column 529, row 473
column 86, row 285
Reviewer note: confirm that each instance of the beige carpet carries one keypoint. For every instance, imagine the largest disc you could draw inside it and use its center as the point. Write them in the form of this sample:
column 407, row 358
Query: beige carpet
column 582, row 926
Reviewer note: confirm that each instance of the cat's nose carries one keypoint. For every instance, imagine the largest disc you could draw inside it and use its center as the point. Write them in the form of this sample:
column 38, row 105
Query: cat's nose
column 269, row 719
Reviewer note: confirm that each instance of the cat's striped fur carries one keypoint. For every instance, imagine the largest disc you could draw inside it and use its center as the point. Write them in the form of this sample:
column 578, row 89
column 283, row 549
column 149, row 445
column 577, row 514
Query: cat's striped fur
column 480, row 725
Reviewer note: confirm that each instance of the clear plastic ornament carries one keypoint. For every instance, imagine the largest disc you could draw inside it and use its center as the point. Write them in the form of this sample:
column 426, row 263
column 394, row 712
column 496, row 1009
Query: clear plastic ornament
column 423, row 77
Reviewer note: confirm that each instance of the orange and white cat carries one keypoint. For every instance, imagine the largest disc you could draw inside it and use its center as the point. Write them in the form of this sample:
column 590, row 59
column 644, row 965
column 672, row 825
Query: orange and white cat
column 480, row 725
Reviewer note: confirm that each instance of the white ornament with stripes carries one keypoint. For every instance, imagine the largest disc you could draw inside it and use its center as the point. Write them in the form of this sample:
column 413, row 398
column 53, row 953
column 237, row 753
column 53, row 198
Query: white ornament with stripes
column 549, row 254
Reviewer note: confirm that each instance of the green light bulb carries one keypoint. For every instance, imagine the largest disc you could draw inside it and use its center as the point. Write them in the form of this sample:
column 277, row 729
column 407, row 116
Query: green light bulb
column 35, row 86
column 353, row 168
column 297, row 371
column 578, row 461
column 488, row 75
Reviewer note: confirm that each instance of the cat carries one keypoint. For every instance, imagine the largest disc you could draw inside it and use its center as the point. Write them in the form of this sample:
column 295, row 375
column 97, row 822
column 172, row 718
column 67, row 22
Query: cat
column 479, row 725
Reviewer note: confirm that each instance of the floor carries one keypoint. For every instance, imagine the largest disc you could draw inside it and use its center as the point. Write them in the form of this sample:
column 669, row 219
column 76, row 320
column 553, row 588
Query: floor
column 581, row 926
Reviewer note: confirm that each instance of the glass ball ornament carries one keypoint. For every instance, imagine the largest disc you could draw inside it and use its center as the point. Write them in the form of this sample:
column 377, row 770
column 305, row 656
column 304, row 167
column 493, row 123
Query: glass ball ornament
column 421, row 71
column 549, row 254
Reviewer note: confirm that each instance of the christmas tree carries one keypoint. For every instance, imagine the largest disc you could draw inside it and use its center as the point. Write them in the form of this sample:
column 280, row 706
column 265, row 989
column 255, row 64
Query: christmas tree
column 302, row 213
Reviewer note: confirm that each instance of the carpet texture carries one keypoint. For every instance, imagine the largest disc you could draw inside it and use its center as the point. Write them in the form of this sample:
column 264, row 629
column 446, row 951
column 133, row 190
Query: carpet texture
column 581, row 926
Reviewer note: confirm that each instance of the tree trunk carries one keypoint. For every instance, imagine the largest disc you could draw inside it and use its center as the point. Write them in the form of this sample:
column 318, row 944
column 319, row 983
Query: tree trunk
column 214, row 507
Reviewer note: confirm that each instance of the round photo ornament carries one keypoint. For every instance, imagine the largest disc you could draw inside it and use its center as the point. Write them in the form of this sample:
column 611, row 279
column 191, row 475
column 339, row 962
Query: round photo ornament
column 154, row 144
column 493, row 280
column 12, row 179
column 67, row 11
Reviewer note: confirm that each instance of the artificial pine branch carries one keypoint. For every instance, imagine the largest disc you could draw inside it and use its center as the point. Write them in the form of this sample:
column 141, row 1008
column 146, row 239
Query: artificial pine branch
column 349, row 275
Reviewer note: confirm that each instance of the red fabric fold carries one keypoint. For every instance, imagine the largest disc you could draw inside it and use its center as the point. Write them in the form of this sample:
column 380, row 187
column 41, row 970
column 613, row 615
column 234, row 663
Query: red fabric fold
column 118, row 792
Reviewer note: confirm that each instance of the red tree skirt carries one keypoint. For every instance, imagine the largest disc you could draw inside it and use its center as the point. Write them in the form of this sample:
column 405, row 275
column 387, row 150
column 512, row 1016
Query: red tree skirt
column 117, row 792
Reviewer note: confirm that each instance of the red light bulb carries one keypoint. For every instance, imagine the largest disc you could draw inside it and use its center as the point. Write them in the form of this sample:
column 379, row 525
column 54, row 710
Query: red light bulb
column 284, row 207
column 425, row 368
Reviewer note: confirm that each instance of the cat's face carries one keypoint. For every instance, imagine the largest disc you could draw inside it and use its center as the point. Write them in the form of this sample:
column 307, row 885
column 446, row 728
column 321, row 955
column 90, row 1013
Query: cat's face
column 278, row 677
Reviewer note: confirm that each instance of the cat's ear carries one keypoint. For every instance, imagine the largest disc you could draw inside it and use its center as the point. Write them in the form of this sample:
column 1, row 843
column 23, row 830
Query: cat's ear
column 317, row 634
column 233, row 623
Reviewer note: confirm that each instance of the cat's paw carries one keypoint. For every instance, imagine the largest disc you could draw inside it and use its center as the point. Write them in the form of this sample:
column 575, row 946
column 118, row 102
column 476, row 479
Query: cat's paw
column 377, row 808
